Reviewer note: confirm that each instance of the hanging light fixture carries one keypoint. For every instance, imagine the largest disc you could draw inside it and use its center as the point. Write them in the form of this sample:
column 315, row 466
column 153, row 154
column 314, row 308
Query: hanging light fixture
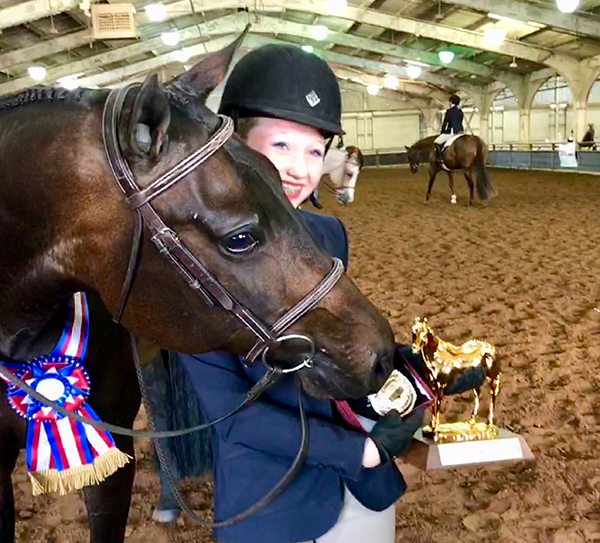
column 373, row 90
column 413, row 71
column 170, row 38
column 445, row 56
column 494, row 36
column 390, row 82
column 37, row 73
column 567, row 6
column 319, row 32
column 513, row 64
column 156, row 12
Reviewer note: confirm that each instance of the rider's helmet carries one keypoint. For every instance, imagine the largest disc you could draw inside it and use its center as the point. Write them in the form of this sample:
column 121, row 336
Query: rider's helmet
column 285, row 82
column 455, row 100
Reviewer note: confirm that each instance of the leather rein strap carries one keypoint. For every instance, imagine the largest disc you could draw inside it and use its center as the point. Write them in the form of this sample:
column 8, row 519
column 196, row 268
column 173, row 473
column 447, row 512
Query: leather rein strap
column 195, row 274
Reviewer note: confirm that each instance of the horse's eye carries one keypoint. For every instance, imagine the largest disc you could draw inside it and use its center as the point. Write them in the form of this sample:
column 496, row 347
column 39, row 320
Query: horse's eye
column 241, row 243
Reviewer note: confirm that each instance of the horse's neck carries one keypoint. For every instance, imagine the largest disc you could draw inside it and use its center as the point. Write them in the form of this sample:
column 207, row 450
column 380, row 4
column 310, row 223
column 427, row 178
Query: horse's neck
column 36, row 259
column 33, row 329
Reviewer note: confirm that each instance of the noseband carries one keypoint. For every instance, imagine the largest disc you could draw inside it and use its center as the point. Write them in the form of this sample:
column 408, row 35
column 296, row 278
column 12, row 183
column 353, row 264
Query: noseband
column 185, row 263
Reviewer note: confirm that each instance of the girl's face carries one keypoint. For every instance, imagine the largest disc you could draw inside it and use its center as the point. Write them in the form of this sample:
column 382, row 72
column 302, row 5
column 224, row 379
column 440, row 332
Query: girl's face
column 296, row 150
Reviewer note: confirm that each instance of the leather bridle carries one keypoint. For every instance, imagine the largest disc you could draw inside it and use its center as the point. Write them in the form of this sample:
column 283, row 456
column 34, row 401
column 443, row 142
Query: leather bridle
column 187, row 265
column 206, row 285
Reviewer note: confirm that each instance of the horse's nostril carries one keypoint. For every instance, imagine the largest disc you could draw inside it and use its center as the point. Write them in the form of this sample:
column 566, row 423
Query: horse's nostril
column 381, row 371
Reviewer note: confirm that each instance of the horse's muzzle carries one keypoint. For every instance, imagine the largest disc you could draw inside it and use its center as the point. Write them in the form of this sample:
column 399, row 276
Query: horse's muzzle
column 414, row 168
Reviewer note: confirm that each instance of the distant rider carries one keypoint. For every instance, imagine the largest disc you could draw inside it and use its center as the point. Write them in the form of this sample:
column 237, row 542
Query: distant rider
column 452, row 124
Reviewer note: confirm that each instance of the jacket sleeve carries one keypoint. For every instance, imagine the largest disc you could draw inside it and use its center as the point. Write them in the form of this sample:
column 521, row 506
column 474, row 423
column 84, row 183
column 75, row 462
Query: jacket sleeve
column 265, row 425
column 346, row 253
column 445, row 123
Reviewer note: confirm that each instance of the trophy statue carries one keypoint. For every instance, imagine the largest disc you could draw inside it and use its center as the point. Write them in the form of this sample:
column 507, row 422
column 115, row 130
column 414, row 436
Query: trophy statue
column 449, row 445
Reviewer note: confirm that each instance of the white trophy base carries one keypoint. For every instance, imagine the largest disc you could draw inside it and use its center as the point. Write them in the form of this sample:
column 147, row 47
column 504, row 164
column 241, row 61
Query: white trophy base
column 427, row 455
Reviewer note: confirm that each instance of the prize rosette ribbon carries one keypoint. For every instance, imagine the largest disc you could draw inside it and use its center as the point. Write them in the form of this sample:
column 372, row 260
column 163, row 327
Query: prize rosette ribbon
column 63, row 454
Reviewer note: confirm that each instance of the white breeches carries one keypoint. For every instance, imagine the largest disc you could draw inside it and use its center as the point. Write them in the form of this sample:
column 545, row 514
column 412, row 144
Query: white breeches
column 357, row 524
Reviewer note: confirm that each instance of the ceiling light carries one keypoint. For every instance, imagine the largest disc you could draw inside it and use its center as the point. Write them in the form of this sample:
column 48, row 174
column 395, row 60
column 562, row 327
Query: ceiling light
column 336, row 7
column 37, row 73
column 373, row 89
column 170, row 38
column 513, row 64
column 181, row 55
column 307, row 48
column 446, row 57
column 319, row 32
column 413, row 71
column 494, row 36
column 391, row 81
column 567, row 6
column 156, row 12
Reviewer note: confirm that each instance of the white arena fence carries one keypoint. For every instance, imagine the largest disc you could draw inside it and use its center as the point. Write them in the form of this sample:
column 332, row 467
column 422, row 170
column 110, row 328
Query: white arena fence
column 524, row 156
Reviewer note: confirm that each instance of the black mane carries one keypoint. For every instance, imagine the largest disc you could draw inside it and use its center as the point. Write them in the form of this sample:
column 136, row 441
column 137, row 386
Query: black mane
column 42, row 94
column 182, row 97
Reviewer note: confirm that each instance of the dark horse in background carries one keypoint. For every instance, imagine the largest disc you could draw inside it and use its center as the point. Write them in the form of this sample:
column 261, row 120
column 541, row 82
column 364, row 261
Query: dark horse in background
column 66, row 226
column 467, row 153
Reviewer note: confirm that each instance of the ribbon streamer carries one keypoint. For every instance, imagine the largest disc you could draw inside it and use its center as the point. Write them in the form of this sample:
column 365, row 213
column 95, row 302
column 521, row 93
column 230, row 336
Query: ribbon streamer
column 63, row 454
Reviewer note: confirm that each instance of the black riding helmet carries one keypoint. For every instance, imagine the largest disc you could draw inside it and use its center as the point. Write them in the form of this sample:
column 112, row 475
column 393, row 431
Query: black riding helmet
column 285, row 82
column 455, row 100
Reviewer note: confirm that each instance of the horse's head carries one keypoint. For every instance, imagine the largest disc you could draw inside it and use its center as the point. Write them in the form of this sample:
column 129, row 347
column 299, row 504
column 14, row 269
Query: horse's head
column 414, row 158
column 230, row 212
column 421, row 334
column 347, row 175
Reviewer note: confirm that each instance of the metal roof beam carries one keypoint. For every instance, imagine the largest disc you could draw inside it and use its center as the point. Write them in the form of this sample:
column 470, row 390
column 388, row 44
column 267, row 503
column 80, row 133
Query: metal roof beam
column 402, row 97
column 391, row 69
column 474, row 40
column 383, row 48
column 45, row 48
column 146, row 66
column 229, row 24
column 529, row 11
column 403, row 87
column 266, row 24
column 138, row 69
column 26, row 12
column 36, row 9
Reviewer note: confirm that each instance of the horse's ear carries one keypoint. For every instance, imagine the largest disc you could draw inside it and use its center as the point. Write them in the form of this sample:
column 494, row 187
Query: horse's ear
column 149, row 120
column 407, row 147
column 204, row 76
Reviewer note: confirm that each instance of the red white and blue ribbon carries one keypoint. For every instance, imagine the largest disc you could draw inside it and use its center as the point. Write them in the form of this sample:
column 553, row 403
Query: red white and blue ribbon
column 63, row 454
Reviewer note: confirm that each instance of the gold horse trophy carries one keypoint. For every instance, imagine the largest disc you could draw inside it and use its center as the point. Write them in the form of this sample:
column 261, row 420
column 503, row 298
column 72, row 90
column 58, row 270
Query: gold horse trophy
column 449, row 445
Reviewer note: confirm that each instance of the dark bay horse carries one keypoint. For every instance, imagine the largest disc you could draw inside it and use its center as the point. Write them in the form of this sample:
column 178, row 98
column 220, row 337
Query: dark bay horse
column 67, row 226
column 467, row 153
